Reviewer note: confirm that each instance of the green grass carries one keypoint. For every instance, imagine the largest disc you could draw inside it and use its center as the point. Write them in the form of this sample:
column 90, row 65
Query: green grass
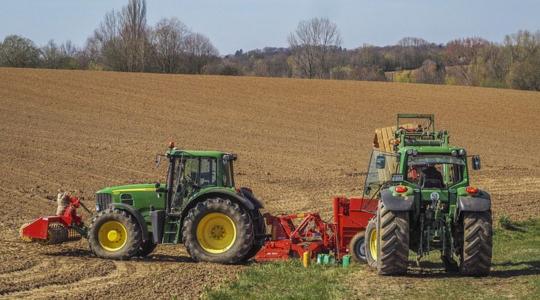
column 285, row 280
column 515, row 274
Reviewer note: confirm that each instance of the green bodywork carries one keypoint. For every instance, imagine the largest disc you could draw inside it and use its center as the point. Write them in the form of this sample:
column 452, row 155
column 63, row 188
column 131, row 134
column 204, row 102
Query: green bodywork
column 213, row 172
column 434, row 213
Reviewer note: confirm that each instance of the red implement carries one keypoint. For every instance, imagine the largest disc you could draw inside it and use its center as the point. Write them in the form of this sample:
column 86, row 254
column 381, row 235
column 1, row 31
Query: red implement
column 291, row 237
column 42, row 228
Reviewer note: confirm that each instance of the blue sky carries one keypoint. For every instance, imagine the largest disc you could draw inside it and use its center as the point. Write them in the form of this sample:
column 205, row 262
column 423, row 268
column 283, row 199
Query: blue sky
column 249, row 24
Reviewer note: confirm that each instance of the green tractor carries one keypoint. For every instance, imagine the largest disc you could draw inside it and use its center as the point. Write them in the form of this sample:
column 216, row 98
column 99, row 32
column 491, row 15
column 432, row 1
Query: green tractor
column 426, row 201
column 198, row 206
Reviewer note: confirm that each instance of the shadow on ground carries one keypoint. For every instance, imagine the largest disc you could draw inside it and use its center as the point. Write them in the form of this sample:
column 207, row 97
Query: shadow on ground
column 509, row 269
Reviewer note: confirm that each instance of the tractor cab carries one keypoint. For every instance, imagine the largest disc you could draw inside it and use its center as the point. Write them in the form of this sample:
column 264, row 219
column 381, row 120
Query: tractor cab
column 191, row 173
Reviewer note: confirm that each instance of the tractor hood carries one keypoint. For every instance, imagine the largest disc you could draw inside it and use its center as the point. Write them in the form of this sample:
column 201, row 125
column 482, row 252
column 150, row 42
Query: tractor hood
column 130, row 188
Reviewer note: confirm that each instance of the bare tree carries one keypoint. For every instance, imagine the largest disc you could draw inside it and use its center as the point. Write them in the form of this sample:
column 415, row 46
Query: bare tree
column 430, row 72
column 460, row 53
column 59, row 57
column 123, row 37
column 199, row 51
column 168, row 40
column 107, row 42
column 134, row 34
column 50, row 55
column 312, row 43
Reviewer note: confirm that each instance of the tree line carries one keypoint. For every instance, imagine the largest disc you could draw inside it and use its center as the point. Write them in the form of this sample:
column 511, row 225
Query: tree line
column 124, row 41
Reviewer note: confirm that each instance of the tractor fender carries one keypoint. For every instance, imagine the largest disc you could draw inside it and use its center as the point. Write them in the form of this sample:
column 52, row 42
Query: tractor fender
column 248, row 194
column 136, row 214
column 224, row 193
column 481, row 202
column 396, row 203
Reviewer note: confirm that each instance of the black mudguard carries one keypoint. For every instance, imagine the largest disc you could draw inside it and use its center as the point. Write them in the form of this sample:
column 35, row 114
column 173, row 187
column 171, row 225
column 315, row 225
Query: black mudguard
column 248, row 194
column 396, row 203
column 480, row 202
column 136, row 214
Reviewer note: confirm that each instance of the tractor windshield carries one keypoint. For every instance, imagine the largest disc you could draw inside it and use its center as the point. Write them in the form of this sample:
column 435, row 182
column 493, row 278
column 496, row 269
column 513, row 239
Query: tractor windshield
column 435, row 171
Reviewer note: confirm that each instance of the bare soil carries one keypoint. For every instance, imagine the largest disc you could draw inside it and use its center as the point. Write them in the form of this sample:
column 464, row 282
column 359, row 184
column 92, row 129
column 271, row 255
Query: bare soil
column 299, row 142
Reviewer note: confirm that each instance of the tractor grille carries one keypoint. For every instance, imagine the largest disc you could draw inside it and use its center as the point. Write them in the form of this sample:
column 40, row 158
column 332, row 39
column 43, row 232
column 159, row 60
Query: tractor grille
column 103, row 201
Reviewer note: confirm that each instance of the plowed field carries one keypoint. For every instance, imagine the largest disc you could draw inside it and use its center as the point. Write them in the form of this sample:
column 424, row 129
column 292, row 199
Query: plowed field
column 299, row 143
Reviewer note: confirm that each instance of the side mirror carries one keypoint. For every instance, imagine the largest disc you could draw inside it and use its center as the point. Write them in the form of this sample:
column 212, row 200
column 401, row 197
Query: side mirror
column 476, row 165
column 380, row 162
column 159, row 189
column 367, row 190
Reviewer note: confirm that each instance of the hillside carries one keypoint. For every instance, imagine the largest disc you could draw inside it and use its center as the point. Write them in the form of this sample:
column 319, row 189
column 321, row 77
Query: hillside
column 299, row 143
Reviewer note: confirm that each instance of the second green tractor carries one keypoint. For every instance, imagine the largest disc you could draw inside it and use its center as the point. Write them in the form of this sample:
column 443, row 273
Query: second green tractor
column 198, row 206
column 426, row 201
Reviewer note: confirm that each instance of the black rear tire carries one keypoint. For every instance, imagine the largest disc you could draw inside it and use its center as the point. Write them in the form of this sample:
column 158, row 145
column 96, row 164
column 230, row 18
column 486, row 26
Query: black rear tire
column 476, row 252
column 393, row 238
column 121, row 250
column 260, row 234
column 357, row 247
column 244, row 233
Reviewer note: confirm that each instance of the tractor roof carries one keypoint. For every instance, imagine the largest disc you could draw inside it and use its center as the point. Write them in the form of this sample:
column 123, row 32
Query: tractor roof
column 430, row 149
column 198, row 153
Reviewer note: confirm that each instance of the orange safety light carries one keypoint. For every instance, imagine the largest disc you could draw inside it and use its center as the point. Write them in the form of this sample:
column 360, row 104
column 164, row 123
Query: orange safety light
column 472, row 190
column 401, row 189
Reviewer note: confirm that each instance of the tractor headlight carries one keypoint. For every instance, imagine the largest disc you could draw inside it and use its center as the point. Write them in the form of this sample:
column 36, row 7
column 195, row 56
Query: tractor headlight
column 454, row 153
column 462, row 152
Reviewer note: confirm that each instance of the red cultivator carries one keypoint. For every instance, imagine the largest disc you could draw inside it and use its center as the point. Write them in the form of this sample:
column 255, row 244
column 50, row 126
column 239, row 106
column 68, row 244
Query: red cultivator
column 290, row 238
column 57, row 229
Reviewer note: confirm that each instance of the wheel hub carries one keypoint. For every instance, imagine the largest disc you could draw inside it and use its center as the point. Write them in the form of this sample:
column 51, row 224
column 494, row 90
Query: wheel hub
column 113, row 236
column 216, row 233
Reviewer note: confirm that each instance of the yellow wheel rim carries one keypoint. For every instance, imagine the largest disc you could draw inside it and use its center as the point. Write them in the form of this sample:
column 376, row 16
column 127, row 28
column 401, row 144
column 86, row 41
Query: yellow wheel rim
column 373, row 244
column 112, row 236
column 216, row 233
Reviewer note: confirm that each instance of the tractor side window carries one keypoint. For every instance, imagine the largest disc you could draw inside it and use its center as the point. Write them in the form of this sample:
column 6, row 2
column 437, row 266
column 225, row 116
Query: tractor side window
column 379, row 173
column 208, row 172
column 191, row 170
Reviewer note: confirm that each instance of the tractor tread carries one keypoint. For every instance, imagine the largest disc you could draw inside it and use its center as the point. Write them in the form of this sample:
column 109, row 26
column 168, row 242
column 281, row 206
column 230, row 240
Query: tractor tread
column 134, row 240
column 393, row 237
column 477, row 243
column 243, row 223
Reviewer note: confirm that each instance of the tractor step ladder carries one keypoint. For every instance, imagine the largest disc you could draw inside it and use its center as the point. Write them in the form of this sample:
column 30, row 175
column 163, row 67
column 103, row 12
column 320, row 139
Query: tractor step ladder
column 170, row 234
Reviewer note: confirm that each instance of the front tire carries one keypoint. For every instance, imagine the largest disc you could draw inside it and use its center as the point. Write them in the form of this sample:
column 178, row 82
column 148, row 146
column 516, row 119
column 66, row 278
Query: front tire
column 393, row 241
column 114, row 234
column 476, row 252
column 218, row 230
